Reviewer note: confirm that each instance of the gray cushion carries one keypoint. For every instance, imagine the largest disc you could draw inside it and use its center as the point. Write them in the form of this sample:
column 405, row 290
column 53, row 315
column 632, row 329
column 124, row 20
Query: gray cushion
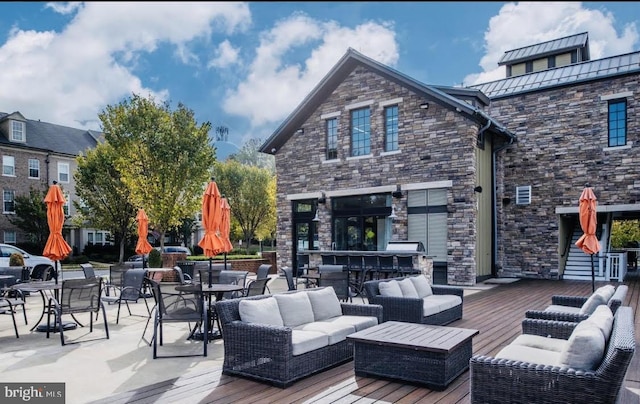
column 261, row 311
column 390, row 288
column 422, row 285
column 602, row 318
column 592, row 302
column 407, row 288
column 585, row 347
column 529, row 355
column 436, row 303
column 307, row 341
column 606, row 292
column 359, row 322
column 324, row 303
column 335, row 331
column 557, row 308
column 540, row 342
column 295, row 308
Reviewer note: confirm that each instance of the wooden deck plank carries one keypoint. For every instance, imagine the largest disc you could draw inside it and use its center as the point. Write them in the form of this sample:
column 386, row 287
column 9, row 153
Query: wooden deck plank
column 497, row 313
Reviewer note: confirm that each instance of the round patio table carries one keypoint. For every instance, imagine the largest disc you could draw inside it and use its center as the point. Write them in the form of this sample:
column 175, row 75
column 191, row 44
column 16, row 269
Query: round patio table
column 43, row 287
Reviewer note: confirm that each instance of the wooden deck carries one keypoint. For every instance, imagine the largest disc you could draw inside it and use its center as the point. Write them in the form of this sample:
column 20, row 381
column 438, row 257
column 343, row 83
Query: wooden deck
column 497, row 313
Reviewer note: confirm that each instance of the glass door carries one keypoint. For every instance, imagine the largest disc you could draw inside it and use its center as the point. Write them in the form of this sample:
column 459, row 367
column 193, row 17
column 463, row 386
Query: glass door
column 305, row 234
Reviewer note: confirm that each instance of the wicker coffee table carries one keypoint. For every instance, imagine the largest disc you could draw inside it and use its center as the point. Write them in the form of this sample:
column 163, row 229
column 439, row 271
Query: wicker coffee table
column 418, row 353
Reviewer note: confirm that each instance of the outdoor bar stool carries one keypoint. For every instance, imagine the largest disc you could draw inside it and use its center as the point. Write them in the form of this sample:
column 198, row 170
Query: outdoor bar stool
column 328, row 259
column 358, row 273
column 386, row 266
column 371, row 265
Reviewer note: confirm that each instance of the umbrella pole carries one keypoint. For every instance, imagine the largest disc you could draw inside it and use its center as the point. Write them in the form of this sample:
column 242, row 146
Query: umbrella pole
column 225, row 260
column 593, row 276
column 210, row 269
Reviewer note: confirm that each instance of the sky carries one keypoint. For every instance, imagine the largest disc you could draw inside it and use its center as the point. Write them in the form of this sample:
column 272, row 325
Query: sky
column 247, row 66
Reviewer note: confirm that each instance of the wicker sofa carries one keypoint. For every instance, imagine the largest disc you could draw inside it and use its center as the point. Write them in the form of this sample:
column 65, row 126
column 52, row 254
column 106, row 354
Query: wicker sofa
column 430, row 304
column 284, row 337
column 540, row 367
column 578, row 308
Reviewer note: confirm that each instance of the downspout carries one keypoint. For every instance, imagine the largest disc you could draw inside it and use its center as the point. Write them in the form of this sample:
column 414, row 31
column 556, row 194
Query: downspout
column 512, row 139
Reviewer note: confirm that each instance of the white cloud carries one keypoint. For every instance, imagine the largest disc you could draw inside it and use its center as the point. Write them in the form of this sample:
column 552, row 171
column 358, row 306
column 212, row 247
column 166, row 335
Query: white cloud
column 523, row 23
column 225, row 56
column 274, row 87
column 68, row 77
column 64, row 7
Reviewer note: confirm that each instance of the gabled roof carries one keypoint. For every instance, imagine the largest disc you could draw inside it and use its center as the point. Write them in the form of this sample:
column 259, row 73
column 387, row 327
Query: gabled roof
column 345, row 66
column 553, row 47
column 49, row 137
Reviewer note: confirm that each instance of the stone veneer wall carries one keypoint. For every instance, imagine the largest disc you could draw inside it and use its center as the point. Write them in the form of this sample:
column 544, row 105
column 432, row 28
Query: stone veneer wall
column 562, row 144
column 435, row 145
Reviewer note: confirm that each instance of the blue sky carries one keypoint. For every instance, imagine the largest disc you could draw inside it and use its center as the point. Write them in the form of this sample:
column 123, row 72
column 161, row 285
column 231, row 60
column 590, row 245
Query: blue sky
column 247, row 65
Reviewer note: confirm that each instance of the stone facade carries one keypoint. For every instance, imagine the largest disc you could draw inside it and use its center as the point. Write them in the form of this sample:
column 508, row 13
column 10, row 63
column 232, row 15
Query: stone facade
column 562, row 145
column 435, row 145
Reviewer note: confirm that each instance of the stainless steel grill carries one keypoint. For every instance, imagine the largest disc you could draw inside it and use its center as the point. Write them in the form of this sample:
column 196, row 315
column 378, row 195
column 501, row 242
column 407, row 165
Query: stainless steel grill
column 405, row 246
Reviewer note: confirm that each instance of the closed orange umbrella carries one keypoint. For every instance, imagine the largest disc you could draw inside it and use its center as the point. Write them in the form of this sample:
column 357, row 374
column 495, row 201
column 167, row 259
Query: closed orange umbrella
column 588, row 242
column 225, row 226
column 56, row 247
column 211, row 242
column 143, row 247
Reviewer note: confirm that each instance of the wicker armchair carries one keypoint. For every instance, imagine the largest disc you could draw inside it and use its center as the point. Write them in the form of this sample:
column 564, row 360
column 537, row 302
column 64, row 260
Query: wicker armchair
column 573, row 304
column 495, row 380
column 411, row 310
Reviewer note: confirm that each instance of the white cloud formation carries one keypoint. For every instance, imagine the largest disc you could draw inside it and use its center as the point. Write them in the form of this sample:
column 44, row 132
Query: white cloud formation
column 68, row 77
column 225, row 56
column 273, row 86
column 524, row 23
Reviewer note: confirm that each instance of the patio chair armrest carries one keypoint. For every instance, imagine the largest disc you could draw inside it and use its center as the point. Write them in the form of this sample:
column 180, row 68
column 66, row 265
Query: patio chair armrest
column 556, row 316
column 548, row 328
column 257, row 340
column 447, row 290
column 371, row 310
column 572, row 301
column 400, row 308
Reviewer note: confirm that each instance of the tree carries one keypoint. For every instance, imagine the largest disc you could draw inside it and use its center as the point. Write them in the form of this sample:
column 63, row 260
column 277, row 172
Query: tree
column 107, row 202
column 165, row 158
column 31, row 216
column 250, row 192
column 249, row 155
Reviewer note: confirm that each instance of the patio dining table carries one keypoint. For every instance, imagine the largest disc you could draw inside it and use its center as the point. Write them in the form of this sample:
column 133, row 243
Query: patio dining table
column 47, row 289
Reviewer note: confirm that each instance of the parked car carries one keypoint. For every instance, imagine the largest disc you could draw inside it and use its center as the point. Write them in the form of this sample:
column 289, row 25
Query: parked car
column 36, row 263
column 137, row 258
column 174, row 249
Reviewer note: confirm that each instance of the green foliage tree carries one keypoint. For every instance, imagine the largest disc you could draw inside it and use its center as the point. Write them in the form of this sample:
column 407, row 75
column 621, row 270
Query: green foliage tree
column 165, row 158
column 250, row 192
column 249, row 155
column 624, row 232
column 31, row 216
column 107, row 202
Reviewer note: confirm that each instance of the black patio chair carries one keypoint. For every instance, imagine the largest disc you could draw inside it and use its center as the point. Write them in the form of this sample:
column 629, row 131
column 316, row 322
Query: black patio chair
column 263, row 273
column 132, row 290
column 77, row 296
column 288, row 274
column 257, row 287
column 9, row 305
column 339, row 280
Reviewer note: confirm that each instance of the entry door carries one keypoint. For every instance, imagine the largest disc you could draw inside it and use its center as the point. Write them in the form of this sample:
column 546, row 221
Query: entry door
column 306, row 238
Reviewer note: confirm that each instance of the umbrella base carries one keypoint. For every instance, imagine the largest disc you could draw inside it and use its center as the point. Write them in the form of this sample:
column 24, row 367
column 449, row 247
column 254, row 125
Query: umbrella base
column 212, row 335
column 66, row 325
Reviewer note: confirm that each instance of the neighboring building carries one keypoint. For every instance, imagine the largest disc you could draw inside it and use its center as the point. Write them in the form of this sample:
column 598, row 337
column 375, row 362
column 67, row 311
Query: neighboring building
column 487, row 177
column 34, row 154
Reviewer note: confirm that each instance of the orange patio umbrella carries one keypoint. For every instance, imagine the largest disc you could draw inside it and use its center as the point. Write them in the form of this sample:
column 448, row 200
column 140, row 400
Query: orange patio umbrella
column 588, row 242
column 56, row 247
column 143, row 247
column 225, row 229
column 212, row 243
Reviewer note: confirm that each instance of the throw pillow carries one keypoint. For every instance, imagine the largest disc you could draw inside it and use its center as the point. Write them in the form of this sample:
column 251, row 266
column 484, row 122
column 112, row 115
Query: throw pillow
column 606, row 292
column 422, row 286
column 602, row 318
column 592, row 302
column 261, row 311
column 325, row 303
column 390, row 289
column 295, row 308
column 584, row 348
column 407, row 288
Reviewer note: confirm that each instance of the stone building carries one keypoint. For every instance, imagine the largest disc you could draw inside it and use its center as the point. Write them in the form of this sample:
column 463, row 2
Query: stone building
column 486, row 177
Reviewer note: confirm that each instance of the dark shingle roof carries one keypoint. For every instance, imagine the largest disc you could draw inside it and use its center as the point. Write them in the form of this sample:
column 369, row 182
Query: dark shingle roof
column 54, row 138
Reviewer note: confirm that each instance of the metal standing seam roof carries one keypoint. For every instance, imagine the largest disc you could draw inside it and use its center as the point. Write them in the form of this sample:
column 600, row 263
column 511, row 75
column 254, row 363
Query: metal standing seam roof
column 544, row 48
column 590, row 70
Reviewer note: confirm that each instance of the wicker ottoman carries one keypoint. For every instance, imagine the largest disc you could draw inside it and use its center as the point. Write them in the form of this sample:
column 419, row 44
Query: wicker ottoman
column 417, row 353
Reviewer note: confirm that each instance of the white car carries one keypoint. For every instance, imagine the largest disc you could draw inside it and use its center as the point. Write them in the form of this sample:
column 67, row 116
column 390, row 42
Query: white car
column 32, row 261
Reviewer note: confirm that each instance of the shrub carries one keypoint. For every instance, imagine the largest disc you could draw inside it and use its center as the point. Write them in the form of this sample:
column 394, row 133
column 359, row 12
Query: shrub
column 16, row 260
column 155, row 259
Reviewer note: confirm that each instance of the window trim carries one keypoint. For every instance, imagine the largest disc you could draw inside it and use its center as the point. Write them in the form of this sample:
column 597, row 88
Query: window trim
column 331, row 139
column 395, row 146
column 23, row 129
column 68, row 172
column 366, row 149
column 29, row 168
column 12, row 165
column 13, row 201
column 616, row 102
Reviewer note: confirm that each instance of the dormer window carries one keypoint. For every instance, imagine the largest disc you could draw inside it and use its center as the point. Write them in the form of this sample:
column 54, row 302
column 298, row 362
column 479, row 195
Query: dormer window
column 17, row 131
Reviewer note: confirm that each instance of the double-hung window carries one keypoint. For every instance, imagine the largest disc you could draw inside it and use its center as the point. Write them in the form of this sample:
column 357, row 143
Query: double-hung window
column 17, row 131
column 63, row 172
column 34, row 168
column 360, row 132
column 617, row 123
column 8, row 201
column 8, row 166
column 332, row 139
column 391, row 128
